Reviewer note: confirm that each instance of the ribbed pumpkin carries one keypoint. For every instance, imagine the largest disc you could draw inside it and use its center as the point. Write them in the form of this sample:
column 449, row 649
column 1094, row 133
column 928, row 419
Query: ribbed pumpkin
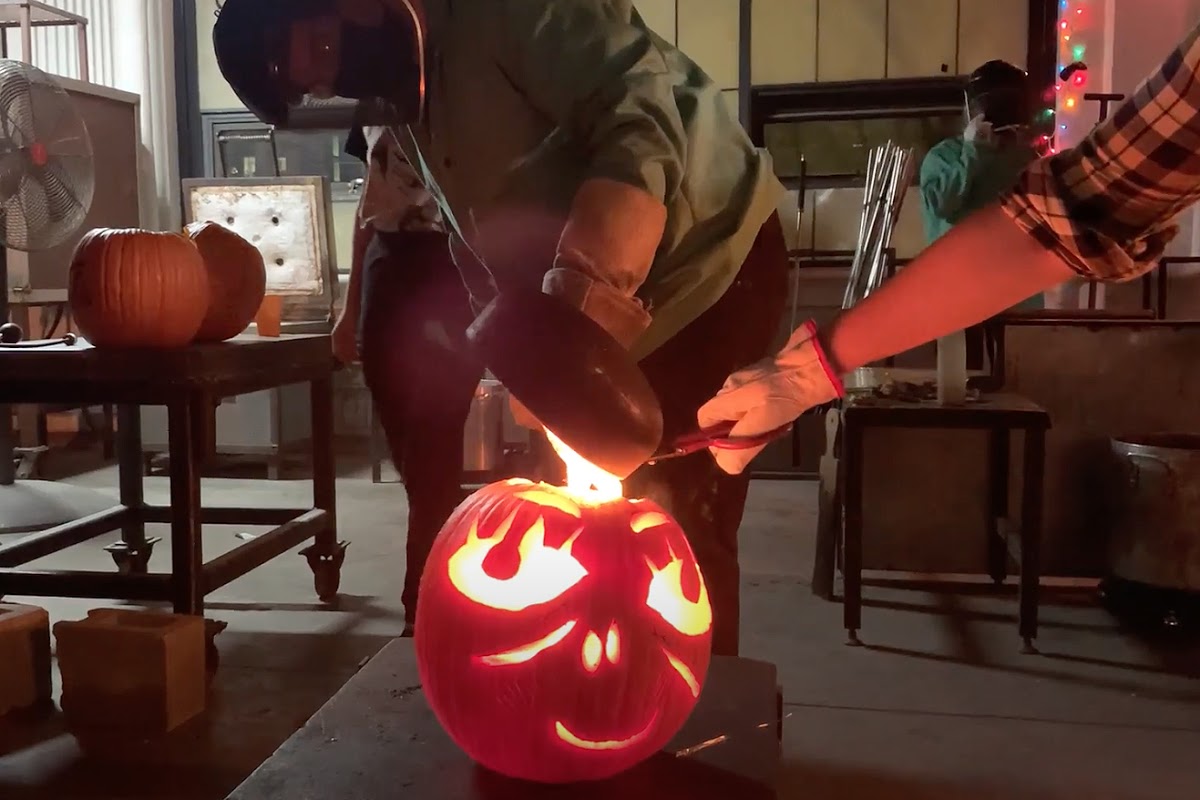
column 237, row 280
column 135, row 288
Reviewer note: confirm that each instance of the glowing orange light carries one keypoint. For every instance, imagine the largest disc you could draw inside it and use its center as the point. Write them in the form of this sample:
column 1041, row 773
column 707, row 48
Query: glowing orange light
column 586, row 482
column 519, row 655
column 592, row 650
column 565, row 734
column 612, row 645
column 1070, row 102
column 544, row 573
column 666, row 597
column 647, row 520
column 684, row 671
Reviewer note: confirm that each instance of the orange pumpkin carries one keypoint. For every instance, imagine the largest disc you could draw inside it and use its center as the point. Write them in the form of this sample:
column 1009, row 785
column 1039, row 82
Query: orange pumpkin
column 237, row 280
column 135, row 288
column 561, row 639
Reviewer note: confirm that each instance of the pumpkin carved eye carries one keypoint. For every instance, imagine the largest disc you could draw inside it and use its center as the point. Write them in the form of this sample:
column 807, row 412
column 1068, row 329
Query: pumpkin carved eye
column 666, row 598
column 543, row 573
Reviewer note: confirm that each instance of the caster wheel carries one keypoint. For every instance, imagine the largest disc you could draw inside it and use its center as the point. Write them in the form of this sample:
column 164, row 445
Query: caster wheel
column 326, row 581
column 327, row 569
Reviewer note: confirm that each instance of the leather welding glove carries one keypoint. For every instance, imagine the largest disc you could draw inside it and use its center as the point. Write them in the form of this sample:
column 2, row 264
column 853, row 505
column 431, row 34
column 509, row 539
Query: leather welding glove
column 770, row 394
column 605, row 253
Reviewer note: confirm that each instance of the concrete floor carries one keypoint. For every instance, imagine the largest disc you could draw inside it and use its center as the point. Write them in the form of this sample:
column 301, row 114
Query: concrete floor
column 939, row 705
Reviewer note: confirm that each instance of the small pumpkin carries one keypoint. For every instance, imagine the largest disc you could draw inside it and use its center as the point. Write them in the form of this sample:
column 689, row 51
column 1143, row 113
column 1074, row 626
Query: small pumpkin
column 237, row 280
column 136, row 288
column 561, row 639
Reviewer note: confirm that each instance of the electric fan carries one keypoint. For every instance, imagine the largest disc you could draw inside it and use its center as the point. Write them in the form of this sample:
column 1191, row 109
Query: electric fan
column 46, row 186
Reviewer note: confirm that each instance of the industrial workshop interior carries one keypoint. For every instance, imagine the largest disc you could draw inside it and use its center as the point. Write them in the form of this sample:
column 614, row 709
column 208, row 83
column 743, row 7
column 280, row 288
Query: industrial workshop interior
column 481, row 399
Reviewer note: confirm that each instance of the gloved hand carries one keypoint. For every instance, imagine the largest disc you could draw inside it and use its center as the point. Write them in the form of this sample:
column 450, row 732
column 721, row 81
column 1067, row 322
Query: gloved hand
column 770, row 394
column 978, row 130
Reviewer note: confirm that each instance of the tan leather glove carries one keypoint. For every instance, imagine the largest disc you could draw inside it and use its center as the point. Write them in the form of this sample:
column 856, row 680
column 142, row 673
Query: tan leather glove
column 770, row 394
column 605, row 253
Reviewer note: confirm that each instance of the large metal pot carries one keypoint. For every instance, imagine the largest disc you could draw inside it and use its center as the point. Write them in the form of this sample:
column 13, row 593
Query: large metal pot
column 1155, row 537
column 483, row 436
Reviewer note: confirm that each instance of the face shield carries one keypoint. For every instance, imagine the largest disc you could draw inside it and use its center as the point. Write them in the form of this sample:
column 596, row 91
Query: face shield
column 377, row 78
column 999, row 91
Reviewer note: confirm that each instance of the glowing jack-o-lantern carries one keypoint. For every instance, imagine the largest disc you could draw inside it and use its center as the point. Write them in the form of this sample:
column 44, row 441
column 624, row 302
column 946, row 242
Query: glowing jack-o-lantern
column 563, row 633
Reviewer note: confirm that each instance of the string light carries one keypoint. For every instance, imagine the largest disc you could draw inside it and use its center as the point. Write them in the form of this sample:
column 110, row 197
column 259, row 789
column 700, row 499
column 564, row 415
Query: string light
column 1074, row 17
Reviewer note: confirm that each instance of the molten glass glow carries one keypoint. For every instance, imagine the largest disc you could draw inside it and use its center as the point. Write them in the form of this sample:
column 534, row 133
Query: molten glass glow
column 610, row 744
column 519, row 655
column 585, row 481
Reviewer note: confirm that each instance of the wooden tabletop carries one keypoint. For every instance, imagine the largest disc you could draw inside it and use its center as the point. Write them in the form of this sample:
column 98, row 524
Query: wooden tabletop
column 377, row 739
column 84, row 373
column 989, row 410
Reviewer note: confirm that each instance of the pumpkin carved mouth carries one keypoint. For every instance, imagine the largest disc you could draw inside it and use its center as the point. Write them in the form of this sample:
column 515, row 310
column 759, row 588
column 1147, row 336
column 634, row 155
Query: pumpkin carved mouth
column 566, row 735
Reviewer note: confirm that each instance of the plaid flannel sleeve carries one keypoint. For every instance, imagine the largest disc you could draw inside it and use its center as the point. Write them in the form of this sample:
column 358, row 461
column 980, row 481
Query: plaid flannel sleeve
column 1107, row 206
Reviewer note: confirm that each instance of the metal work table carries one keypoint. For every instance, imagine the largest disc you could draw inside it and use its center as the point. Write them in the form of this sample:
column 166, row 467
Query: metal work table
column 998, row 415
column 187, row 381
column 378, row 739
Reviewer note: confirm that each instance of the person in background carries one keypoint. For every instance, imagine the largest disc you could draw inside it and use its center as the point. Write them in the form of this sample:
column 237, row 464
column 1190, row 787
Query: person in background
column 965, row 173
column 405, row 315
column 1102, row 210
column 573, row 151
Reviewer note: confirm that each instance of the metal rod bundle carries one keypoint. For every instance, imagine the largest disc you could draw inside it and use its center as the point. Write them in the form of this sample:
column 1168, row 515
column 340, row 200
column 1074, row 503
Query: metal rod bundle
column 889, row 174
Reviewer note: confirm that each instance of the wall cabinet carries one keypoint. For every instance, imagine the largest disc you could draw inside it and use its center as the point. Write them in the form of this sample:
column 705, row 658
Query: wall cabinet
column 852, row 40
column 659, row 15
column 783, row 41
column 922, row 38
column 992, row 29
column 708, row 33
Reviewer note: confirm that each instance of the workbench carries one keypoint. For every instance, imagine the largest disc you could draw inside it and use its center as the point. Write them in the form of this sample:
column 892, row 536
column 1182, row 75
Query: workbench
column 377, row 739
column 841, row 512
column 188, row 382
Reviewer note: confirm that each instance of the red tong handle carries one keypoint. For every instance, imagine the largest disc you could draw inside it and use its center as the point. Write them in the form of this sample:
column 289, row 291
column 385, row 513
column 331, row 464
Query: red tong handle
column 718, row 436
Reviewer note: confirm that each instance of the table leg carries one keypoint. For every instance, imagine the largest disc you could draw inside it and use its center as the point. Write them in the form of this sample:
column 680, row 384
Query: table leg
column 187, row 552
column 326, row 554
column 829, row 516
column 1031, row 534
column 852, row 528
column 998, row 466
column 132, row 553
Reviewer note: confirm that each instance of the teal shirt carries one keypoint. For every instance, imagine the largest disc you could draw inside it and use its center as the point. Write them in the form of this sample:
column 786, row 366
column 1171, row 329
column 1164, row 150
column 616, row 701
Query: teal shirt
column 527, row 99
column 960, row 177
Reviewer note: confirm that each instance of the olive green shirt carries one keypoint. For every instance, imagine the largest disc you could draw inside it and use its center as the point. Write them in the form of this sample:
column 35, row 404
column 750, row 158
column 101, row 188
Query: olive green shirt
column 527, row 99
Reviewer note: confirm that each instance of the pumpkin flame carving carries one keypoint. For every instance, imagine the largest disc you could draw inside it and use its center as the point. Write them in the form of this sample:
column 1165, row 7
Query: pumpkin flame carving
column 564, row 632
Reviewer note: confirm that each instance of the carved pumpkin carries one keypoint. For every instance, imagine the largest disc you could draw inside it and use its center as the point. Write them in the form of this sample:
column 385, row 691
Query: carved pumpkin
column 562, row 635
column 237, row 280
column 135, row 288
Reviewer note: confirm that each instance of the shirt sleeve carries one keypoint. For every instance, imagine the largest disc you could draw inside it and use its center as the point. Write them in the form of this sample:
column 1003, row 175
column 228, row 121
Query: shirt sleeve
column 593, row 69
column 946, row 173
column 1107, row 206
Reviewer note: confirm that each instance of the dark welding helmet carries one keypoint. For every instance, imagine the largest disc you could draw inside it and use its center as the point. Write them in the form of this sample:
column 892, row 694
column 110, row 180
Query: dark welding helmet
column 1000, row 92
column 381, row 68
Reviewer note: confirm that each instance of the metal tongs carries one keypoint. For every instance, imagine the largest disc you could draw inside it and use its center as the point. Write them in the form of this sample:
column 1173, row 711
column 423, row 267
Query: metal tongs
column 718, row 437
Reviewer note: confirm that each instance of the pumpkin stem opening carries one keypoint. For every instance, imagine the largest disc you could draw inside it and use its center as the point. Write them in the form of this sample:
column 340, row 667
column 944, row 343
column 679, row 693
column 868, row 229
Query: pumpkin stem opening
column 586, row 482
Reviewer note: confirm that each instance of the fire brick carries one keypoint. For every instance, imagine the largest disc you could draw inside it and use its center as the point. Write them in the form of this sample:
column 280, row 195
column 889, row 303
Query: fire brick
column 135, row 670
column 24, row 657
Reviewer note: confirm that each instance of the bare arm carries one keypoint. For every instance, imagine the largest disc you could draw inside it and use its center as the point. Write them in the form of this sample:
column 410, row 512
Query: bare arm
column 979, row 269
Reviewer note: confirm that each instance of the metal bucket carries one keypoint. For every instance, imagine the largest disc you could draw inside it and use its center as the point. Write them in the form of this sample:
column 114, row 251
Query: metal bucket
column 483, row 435
column 1155, row 537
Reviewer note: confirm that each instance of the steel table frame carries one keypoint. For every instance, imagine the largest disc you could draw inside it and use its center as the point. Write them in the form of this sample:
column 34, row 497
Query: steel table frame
column 997, row 414
column 187, row 382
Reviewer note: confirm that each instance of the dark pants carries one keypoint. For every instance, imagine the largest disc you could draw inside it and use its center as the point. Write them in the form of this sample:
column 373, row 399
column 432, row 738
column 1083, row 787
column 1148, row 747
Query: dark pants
column 414, row 315
column 686, row 372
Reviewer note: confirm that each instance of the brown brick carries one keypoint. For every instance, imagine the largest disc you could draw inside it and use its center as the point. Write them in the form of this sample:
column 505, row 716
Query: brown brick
column 24, row 657
column 134, row 670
